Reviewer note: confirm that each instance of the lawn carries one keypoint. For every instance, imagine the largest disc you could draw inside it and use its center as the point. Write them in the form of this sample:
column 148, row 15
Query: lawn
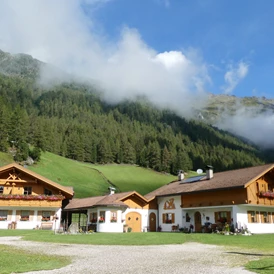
column 13, row 260
column 256, row 245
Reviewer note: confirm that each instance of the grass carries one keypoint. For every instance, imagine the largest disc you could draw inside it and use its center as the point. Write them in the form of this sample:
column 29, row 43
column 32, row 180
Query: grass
column 129, row 177
column 263, row 266
column 255, row 245
column 261, row 242
column 16, row 260
column 84, row 179
column 94, row 180
column 5, row 158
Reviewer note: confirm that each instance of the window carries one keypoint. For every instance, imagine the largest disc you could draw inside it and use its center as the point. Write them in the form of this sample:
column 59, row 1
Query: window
column 93, row 217
column 24, row 215
column 27, row 190
column 3, row 215
column 252, row 217
column 264, row 217
column 102, row 217
column 1, row 189
column 168, row 218
column 113, row 216
column 46, row 216
column 47, row 192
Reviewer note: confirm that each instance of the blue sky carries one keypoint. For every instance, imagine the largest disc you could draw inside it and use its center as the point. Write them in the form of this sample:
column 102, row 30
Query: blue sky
column 223, row 32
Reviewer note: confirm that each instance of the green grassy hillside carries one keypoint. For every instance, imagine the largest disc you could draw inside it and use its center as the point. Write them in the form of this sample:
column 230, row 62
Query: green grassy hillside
column 93, row 180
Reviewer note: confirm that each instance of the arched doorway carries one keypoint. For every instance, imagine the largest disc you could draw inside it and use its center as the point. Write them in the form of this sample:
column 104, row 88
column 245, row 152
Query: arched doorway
column 198, row 221
column 152, row 222
column 133, row 220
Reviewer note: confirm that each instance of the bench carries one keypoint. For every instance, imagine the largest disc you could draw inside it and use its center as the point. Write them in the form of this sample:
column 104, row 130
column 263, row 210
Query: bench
column 46, row 226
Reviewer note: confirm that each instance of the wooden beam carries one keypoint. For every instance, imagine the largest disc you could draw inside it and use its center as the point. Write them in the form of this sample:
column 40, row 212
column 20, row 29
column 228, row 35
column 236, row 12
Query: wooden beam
column 17, row 181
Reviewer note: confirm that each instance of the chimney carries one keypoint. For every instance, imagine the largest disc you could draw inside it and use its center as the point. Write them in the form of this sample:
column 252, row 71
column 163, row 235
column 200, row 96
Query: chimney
column 111, row 190
column 181, row 175
column 209, row 172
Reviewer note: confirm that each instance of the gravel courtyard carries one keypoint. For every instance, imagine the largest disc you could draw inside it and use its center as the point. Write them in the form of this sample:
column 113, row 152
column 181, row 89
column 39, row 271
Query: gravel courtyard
column 186, row 258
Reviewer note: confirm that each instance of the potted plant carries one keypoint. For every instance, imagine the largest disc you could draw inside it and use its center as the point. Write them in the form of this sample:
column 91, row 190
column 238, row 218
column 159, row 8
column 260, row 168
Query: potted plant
column 125, row 228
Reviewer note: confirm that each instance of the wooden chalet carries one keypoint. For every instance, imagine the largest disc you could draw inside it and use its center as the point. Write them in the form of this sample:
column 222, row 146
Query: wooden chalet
column 29, row 200
column 243, row 197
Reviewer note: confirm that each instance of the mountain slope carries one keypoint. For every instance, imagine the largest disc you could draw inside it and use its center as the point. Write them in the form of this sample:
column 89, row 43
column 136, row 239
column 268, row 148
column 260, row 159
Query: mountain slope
column 71, row 120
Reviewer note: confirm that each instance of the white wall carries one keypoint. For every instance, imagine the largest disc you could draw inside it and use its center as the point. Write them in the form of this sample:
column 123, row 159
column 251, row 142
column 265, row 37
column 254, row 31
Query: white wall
column 30, row 224
column 177, row 211
column 256, row 228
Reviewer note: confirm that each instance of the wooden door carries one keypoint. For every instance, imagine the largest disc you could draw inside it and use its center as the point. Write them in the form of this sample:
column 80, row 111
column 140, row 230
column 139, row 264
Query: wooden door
column 133, row 220
column 152, row 222
column 198, row 221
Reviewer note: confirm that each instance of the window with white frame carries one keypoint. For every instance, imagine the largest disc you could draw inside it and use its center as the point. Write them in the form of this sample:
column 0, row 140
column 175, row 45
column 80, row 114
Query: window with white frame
column 3, row 215
column 27, row 190
column 102, row 216
column 46, row 216
column 24, row 215
column 113, row 216
column 168, row 218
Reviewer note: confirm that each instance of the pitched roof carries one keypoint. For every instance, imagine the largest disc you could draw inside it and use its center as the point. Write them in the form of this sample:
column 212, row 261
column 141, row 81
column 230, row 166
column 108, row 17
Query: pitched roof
column 66, row 190
column 107, row 200
column 221, row 180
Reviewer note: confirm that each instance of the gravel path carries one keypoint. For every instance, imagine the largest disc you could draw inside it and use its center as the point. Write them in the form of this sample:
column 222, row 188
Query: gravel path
column 190, row 258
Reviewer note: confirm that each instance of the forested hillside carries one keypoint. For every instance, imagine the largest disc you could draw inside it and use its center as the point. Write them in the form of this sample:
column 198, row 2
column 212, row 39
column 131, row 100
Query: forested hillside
column 71, row 120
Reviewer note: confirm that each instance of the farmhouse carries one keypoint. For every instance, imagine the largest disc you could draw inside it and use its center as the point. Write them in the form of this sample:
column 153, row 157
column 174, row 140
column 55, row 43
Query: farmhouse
column 29, row 201
column 243, row 198
column 115, row 212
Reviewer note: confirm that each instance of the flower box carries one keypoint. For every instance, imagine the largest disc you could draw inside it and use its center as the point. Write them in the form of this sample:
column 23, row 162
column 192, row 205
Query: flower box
column 24, row 219
column 32, row 197
column 267, row 194
column 45, row 219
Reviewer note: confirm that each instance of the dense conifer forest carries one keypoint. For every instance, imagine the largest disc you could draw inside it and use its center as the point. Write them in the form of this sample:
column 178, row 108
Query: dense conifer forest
column 71, row 120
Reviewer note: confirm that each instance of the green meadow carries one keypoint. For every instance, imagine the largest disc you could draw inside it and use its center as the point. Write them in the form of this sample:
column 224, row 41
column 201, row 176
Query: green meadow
column 93, row 180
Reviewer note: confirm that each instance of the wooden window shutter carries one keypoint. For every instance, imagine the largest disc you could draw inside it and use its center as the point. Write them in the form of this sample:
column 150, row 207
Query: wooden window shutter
column 164, row 217
column 257, row 219
column 173, row 218
column 31, row 215
column 216, row 216
column 249, row 216
column 52, row 213
column 9, row 215
column 262, row 217
column 18, row 215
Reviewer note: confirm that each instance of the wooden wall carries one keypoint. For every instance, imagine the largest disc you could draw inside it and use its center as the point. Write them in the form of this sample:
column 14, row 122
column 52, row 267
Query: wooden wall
column 214, row 198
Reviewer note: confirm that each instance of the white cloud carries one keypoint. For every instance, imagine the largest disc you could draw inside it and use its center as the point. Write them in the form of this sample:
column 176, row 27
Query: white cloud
column 59, row 32
column 252, row 123
column 234, row 75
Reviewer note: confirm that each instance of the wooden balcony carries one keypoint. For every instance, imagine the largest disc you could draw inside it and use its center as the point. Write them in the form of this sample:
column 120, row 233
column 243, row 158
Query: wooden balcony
column 31, row 200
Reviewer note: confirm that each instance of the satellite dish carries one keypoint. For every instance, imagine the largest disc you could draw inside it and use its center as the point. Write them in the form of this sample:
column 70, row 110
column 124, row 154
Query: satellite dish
column 199, row 171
